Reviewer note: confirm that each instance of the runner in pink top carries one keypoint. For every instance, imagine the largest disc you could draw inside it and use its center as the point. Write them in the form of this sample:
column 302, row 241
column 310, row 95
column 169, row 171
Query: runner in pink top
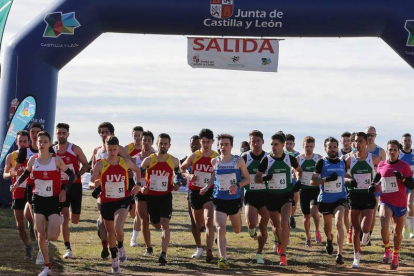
column 395, row 176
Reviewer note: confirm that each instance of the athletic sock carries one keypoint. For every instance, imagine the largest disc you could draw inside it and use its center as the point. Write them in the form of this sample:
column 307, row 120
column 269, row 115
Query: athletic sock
column 396, row 251
column 387, row 245
column 113, row 250
column 356, row 255
column 163, row 254
column 120, row 244
column 135, row 234
column 67, row 245
column 48, row 265
column 104, row 244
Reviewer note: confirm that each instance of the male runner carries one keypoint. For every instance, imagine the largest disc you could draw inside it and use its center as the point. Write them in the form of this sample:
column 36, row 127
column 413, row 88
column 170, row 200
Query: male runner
column 47, row 194
column 200, row 173
column 160, row 168
column 361, row 198
column 72, row 155
column 227, row 177
column 407, row 155
column 112, row 174
column 19, row 206
column 133, row 150
column 147, row 139
column 346, row 142
column 378, row 151
column 105, row 130
column 278, row 167
column 396, row 176
column 309, row 194
column 290, row 149
column 329, row 174
column 255, row 194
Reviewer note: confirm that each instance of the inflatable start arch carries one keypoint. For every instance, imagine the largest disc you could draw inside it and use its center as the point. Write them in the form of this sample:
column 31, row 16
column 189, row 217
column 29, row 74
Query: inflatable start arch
column 34, row 57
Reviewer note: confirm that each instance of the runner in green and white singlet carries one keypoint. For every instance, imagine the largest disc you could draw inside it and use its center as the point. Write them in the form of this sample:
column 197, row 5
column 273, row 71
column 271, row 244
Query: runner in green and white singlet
column 309, row 194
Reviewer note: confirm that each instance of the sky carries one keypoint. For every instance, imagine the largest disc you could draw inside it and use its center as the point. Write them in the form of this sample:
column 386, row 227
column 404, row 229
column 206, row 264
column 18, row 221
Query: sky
column 324, row 86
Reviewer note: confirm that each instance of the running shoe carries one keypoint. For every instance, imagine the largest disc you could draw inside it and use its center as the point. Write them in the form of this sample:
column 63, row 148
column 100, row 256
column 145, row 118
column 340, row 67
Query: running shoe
column 46, row 271
column 104, row 253
column 318, row 237
column 329, row 247
column 283, row 261
column 308, row 243
column 349, row 240
column 339, row 260
column 148, row 252
column 197, row 254
column 115, row 269
column 412, row 235
column 162, row 259
column 259, row 258
column 252, row 233
column 29, row 250
column 356, row 263
column 209, row 256
column 292, row 222
column 386, row 257
column 394, row 263
column 223, row 264
column 39, row 259
column 406, row 232
column 68, row 254
column 122, row 255
column 133, row 242
column 366, row 238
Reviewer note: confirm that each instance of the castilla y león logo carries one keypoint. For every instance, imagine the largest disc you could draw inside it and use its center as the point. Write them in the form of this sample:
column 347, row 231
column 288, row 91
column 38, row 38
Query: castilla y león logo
column 58, row 23
column 221, row 8
column 409, row 26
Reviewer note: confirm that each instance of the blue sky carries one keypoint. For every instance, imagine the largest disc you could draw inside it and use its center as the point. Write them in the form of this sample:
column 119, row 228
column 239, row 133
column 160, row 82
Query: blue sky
column 323, row 88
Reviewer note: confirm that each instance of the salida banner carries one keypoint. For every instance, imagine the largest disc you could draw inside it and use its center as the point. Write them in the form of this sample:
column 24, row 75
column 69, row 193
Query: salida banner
column 233, row 53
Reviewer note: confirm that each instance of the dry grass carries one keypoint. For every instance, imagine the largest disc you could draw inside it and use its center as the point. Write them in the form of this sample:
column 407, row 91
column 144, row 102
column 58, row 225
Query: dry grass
column 241, row 250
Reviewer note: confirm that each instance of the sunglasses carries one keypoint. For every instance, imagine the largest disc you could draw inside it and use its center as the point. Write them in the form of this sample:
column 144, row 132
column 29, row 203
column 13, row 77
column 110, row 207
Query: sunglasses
column 371, row 134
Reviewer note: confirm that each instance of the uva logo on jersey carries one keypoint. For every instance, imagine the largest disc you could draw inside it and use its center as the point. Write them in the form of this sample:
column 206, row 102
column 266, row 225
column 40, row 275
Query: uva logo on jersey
column 160, row 173
column 204, row 168
column 115, row 178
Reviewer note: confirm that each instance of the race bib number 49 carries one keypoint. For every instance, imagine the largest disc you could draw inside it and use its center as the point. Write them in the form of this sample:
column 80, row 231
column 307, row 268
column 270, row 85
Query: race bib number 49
column 44, row 187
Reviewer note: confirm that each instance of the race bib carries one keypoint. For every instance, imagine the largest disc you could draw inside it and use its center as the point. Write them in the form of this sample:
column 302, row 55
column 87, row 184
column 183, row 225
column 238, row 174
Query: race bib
column 44, row 187
column 278, row 182
column 333, row 186
column 306, row 178
column 256, row 186
column 363, row 180
column 203, row 179
column 158, row 183
column 389, row 185
column 63, row 175
column 226, row 180
column 115, row 189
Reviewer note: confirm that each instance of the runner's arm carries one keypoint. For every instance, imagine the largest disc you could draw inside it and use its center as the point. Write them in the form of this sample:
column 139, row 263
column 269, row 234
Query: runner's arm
column 8, row 170
column 94, row 181
column 82, row 159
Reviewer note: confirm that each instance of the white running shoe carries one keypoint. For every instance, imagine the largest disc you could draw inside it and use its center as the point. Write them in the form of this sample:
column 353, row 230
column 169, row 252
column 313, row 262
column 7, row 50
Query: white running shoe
column 68, row 254
column 411, row 235
column 133, row 242
column 46, row 271
column 122, row 255
column 356, row 263
column 115, row 269
column 197, row 254
column 39, row 259
column 366, row 237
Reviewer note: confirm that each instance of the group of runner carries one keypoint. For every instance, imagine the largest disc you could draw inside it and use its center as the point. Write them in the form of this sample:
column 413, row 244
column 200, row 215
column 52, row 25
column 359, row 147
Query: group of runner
column 345, row 187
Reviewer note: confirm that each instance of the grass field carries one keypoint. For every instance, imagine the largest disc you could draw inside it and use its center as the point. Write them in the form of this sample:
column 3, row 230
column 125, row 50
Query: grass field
column 241, row 251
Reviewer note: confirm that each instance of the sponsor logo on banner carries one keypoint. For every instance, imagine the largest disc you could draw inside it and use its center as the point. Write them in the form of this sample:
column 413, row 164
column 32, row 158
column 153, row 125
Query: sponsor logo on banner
column 225, row 14
column 409, row 26
column 233, row 53
column 27, row 110
column 221, row 8
column 58, row 24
